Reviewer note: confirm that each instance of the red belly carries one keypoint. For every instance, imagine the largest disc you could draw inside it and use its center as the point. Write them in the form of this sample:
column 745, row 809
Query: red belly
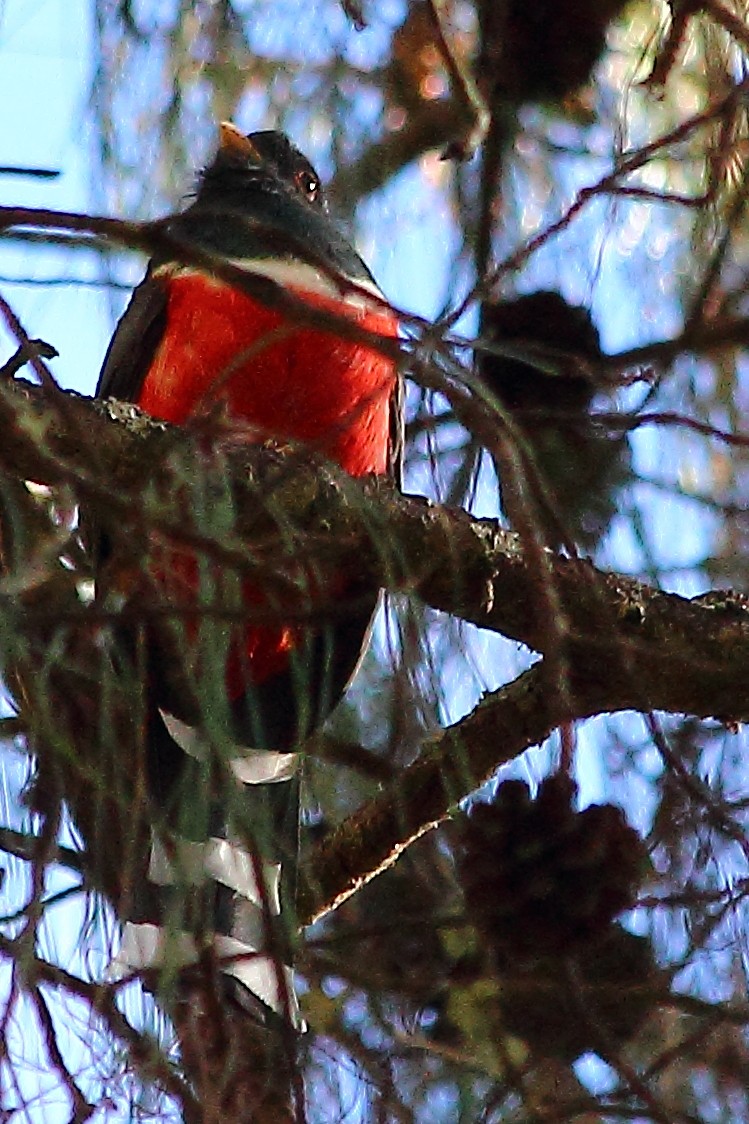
column 280, row 381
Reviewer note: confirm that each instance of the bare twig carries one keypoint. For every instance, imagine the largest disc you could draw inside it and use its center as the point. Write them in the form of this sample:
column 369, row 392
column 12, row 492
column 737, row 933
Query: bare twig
column 464, row 85
column 27, row 353
column 101, row 999
column 611, row 184
column 82, row 1109
column 27, row 847
column 30, row 173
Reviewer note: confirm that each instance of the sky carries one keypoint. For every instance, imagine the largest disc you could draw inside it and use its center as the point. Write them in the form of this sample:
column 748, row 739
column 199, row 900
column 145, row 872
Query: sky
column 45, row 70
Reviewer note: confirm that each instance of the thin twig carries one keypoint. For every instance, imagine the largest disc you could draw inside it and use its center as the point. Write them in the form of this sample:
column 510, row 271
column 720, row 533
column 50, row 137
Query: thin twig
column 82, row 1109
column 464, row 85
column 610, row 183
column 33, row 351
column 101, row 999
column 27, row 353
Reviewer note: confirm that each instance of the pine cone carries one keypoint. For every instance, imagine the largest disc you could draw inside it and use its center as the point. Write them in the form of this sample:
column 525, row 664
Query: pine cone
column 596, row 1000
column 561, row 334
column 541, row 878
column 539, row 50
column 548, row 395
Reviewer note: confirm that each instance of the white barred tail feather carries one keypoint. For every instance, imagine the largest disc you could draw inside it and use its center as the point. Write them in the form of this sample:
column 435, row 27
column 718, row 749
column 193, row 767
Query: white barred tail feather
column 226, row 885
column 217, row 885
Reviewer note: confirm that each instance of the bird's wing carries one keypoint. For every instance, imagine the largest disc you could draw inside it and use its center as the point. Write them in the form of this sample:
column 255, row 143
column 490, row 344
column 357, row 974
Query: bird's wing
column 134, row 342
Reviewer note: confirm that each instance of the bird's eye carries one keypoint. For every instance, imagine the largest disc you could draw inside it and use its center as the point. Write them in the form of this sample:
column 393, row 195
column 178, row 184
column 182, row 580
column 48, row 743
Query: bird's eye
column 308, row 184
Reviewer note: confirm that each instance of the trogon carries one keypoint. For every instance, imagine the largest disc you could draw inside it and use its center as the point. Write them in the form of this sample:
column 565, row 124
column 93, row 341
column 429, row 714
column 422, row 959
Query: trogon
column 221, row 867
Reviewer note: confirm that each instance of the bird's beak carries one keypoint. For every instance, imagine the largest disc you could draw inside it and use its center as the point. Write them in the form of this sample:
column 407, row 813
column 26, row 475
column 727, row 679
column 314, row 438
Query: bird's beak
column 235, row 144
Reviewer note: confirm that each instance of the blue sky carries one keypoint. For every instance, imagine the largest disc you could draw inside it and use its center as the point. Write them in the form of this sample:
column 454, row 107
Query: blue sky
column 45, row 65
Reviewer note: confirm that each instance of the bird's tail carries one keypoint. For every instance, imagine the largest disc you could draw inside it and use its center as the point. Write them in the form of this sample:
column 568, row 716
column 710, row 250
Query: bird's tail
column 221, row 875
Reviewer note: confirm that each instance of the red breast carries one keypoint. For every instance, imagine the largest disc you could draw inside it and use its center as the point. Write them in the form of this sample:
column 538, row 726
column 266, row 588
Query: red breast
column 282, row 380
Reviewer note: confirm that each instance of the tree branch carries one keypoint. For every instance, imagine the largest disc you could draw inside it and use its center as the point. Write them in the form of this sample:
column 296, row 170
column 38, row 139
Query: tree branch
column 689, row 655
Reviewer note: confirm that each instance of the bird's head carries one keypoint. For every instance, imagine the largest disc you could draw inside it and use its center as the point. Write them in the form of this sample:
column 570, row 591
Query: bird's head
column 265, row 160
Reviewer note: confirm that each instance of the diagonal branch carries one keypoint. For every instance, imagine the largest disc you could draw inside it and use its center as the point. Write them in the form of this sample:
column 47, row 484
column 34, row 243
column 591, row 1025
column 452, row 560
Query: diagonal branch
column 692, row 654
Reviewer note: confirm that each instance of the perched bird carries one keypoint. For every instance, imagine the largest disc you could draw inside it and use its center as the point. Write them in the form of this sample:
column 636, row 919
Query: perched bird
column 188, row 343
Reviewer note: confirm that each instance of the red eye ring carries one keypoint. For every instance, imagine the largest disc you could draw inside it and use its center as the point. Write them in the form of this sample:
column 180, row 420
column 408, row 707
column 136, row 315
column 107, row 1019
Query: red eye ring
column 307, row 184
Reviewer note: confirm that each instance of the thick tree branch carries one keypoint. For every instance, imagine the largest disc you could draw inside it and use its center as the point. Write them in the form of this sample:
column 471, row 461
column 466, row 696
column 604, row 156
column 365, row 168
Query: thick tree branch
column 688, row 655
column 502, row 726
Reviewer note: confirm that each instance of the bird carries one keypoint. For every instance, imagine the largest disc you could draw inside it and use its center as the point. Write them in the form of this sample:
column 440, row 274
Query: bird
column 221, row 869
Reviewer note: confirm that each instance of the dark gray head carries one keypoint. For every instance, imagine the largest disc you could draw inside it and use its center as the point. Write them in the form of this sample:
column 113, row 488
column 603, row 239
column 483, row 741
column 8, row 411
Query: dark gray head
column 261, row 198
column 266, row 160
